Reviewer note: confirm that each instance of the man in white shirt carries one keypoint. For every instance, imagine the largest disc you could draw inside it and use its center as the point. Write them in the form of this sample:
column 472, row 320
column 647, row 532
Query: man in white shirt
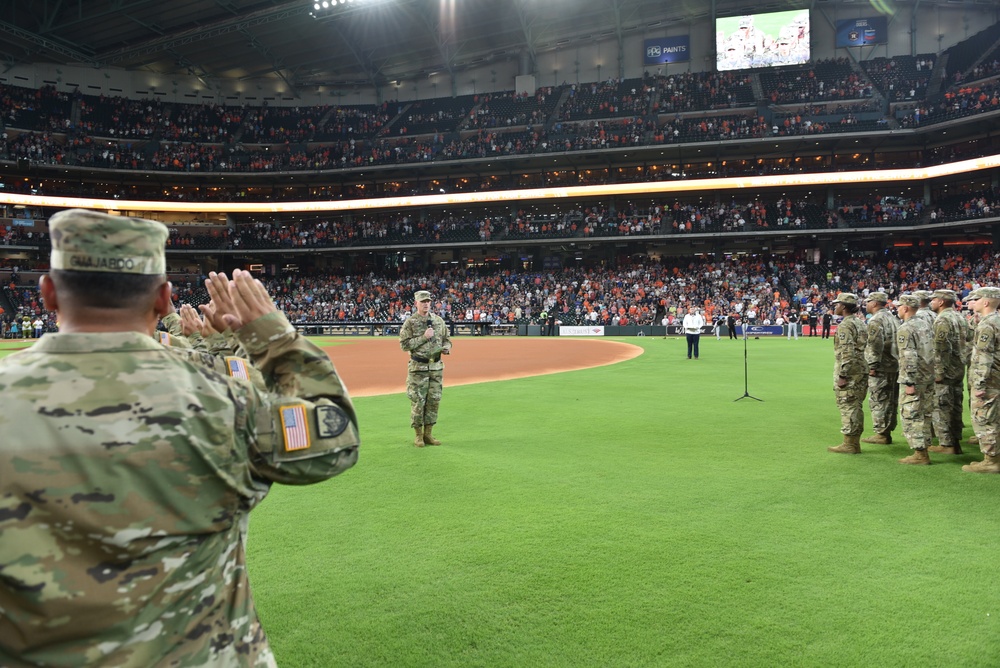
column 693, row 322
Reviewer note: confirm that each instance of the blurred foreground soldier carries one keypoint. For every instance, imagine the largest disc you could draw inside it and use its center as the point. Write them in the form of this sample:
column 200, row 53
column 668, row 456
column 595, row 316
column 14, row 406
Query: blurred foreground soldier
column 849, row 372
column 949, row 372
column 984, row 373
column 915, row 342
column 128, row 472
column 425, row 336
column 882, row 359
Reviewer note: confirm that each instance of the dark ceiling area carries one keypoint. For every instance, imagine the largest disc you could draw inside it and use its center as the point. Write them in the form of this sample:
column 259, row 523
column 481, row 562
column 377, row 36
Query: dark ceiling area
column 359, row 42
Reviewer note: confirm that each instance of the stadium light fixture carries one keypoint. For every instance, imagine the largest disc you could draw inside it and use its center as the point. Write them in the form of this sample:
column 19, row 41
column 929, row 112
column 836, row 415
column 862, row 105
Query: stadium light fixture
column 323, row 8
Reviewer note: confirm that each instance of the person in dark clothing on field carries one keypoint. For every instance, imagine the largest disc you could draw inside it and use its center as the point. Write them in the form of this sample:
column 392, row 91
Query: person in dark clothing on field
column 827, row 319
column 731, row 325
column 813, row 319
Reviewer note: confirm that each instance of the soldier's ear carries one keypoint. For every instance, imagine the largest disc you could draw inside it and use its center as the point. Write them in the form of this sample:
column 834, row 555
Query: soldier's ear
column 163, row 302
column 48, row 290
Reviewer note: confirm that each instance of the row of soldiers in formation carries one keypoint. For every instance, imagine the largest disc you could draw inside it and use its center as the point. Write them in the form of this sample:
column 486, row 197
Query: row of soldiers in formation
column 913, row 367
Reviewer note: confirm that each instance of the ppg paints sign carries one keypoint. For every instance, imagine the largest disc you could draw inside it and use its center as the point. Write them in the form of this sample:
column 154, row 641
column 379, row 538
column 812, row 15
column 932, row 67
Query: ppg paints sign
column 667, row 50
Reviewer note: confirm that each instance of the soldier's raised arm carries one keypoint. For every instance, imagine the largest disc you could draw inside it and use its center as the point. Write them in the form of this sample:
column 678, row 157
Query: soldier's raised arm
column 305, row 428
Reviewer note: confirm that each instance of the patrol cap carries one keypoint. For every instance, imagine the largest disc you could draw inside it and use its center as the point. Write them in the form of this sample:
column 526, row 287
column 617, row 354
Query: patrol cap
column 93, row 241
column 879, row 297
column 911, row 300
column 846, row 298
column 947, row 295
column 923, row 295
column 984, row 293
column 421, row 296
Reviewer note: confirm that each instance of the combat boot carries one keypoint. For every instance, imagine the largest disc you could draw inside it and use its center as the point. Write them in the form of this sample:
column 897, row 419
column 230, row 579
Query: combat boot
column 990, row 464
column 850, row 446
column 428, row 438
column 946, row 449
column 879, row 439
column 919, row 457
column 418, row 441
column 973, row 440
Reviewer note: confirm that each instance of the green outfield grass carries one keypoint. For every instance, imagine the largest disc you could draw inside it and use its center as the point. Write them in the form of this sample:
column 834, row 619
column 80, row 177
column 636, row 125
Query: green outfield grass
column 633, row 515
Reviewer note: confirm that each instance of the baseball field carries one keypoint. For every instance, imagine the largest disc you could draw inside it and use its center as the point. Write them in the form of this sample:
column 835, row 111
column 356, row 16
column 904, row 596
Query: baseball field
column 629, row 514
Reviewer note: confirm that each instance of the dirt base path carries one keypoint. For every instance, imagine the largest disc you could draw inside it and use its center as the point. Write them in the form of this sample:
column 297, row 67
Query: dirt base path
column 377, row 366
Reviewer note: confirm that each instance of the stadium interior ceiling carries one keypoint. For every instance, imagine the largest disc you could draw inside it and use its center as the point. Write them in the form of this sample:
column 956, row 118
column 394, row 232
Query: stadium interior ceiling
column 256, row 40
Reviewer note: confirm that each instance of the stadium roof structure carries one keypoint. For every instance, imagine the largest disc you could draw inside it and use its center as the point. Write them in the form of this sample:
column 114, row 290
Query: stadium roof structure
column 354, row 43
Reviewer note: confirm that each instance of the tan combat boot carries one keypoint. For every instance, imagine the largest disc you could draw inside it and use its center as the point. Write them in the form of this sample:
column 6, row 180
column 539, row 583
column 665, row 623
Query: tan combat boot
column 428, row 438
column 850, row 446
column 946, row 449
column 990, row 464
column 418, row 440
column 919, row 457
column 879, row 439
column 973, row 440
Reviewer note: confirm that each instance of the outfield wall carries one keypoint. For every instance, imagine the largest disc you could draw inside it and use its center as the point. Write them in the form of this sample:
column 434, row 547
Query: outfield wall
column 486, row 329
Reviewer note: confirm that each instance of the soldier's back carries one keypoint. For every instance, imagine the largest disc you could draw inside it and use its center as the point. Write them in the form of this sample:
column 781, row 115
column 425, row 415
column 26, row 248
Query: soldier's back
column 132, row 486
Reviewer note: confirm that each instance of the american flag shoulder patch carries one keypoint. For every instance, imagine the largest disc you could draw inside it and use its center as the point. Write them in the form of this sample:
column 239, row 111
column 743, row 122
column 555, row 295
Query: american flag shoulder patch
column 294, row 427
column 164, row 338
column 237, row 368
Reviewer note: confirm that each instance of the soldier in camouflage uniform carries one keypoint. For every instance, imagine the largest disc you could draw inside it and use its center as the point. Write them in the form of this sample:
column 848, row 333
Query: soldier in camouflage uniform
column 425, row 336
column 984, row 373
column 949, row 372
column 925, row 312
column 915, row 342
column 971, row 322
column 850, row 372
column 128, row 471
column 882, row 359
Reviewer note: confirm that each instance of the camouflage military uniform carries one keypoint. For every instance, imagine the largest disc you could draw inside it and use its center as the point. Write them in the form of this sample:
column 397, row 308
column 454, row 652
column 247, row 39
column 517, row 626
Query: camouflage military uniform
column 425, row 371
column 127, row 474
column 984, row 374
column 882, row 359
column 849, row 353
column 915, row 342
column 949, row 372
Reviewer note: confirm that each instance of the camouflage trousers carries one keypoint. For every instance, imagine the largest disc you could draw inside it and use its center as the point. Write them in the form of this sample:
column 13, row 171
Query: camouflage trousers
column 986, row 421
column 424, row 390
column 948, row 413
column 850, row 401
column 883, row 399
column 915, row 415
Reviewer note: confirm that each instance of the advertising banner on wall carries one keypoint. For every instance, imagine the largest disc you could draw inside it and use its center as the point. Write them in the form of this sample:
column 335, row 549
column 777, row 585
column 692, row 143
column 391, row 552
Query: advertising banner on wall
column 667, row 50
column 760, row 330
column 862, row 32
column 578, row 330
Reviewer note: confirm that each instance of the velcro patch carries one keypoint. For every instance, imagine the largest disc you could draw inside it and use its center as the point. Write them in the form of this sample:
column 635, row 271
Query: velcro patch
column 164, row 338
column 331, row 421
column 294, row 428
column 237, row 368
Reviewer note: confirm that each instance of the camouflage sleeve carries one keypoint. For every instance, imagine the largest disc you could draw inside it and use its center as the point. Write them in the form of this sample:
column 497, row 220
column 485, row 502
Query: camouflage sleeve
column 982, row 361
column 304, row 429
column 875, row 346
column 847, row 340
column 942, row 345
column 909, row 358
column 409, row 338
column 172, row 323
column 217, row 344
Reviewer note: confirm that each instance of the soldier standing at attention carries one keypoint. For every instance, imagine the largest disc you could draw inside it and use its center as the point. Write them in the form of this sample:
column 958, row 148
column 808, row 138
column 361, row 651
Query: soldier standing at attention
column 984, row 373
column 128, row 471
column 925, row 312
column 849, row 372
column 883, row 368
column 425, row 336
column 949, row 372
column 915, row 341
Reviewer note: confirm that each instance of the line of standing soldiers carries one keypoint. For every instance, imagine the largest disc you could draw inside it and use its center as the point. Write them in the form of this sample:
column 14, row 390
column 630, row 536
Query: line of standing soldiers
column 913, row 368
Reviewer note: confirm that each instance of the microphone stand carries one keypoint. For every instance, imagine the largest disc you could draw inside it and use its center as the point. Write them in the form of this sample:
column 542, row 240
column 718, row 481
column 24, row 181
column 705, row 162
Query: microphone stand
column 746, row 382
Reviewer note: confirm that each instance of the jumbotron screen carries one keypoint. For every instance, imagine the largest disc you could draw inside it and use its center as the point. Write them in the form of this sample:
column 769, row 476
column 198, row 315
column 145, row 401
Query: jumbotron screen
column 762, row 40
